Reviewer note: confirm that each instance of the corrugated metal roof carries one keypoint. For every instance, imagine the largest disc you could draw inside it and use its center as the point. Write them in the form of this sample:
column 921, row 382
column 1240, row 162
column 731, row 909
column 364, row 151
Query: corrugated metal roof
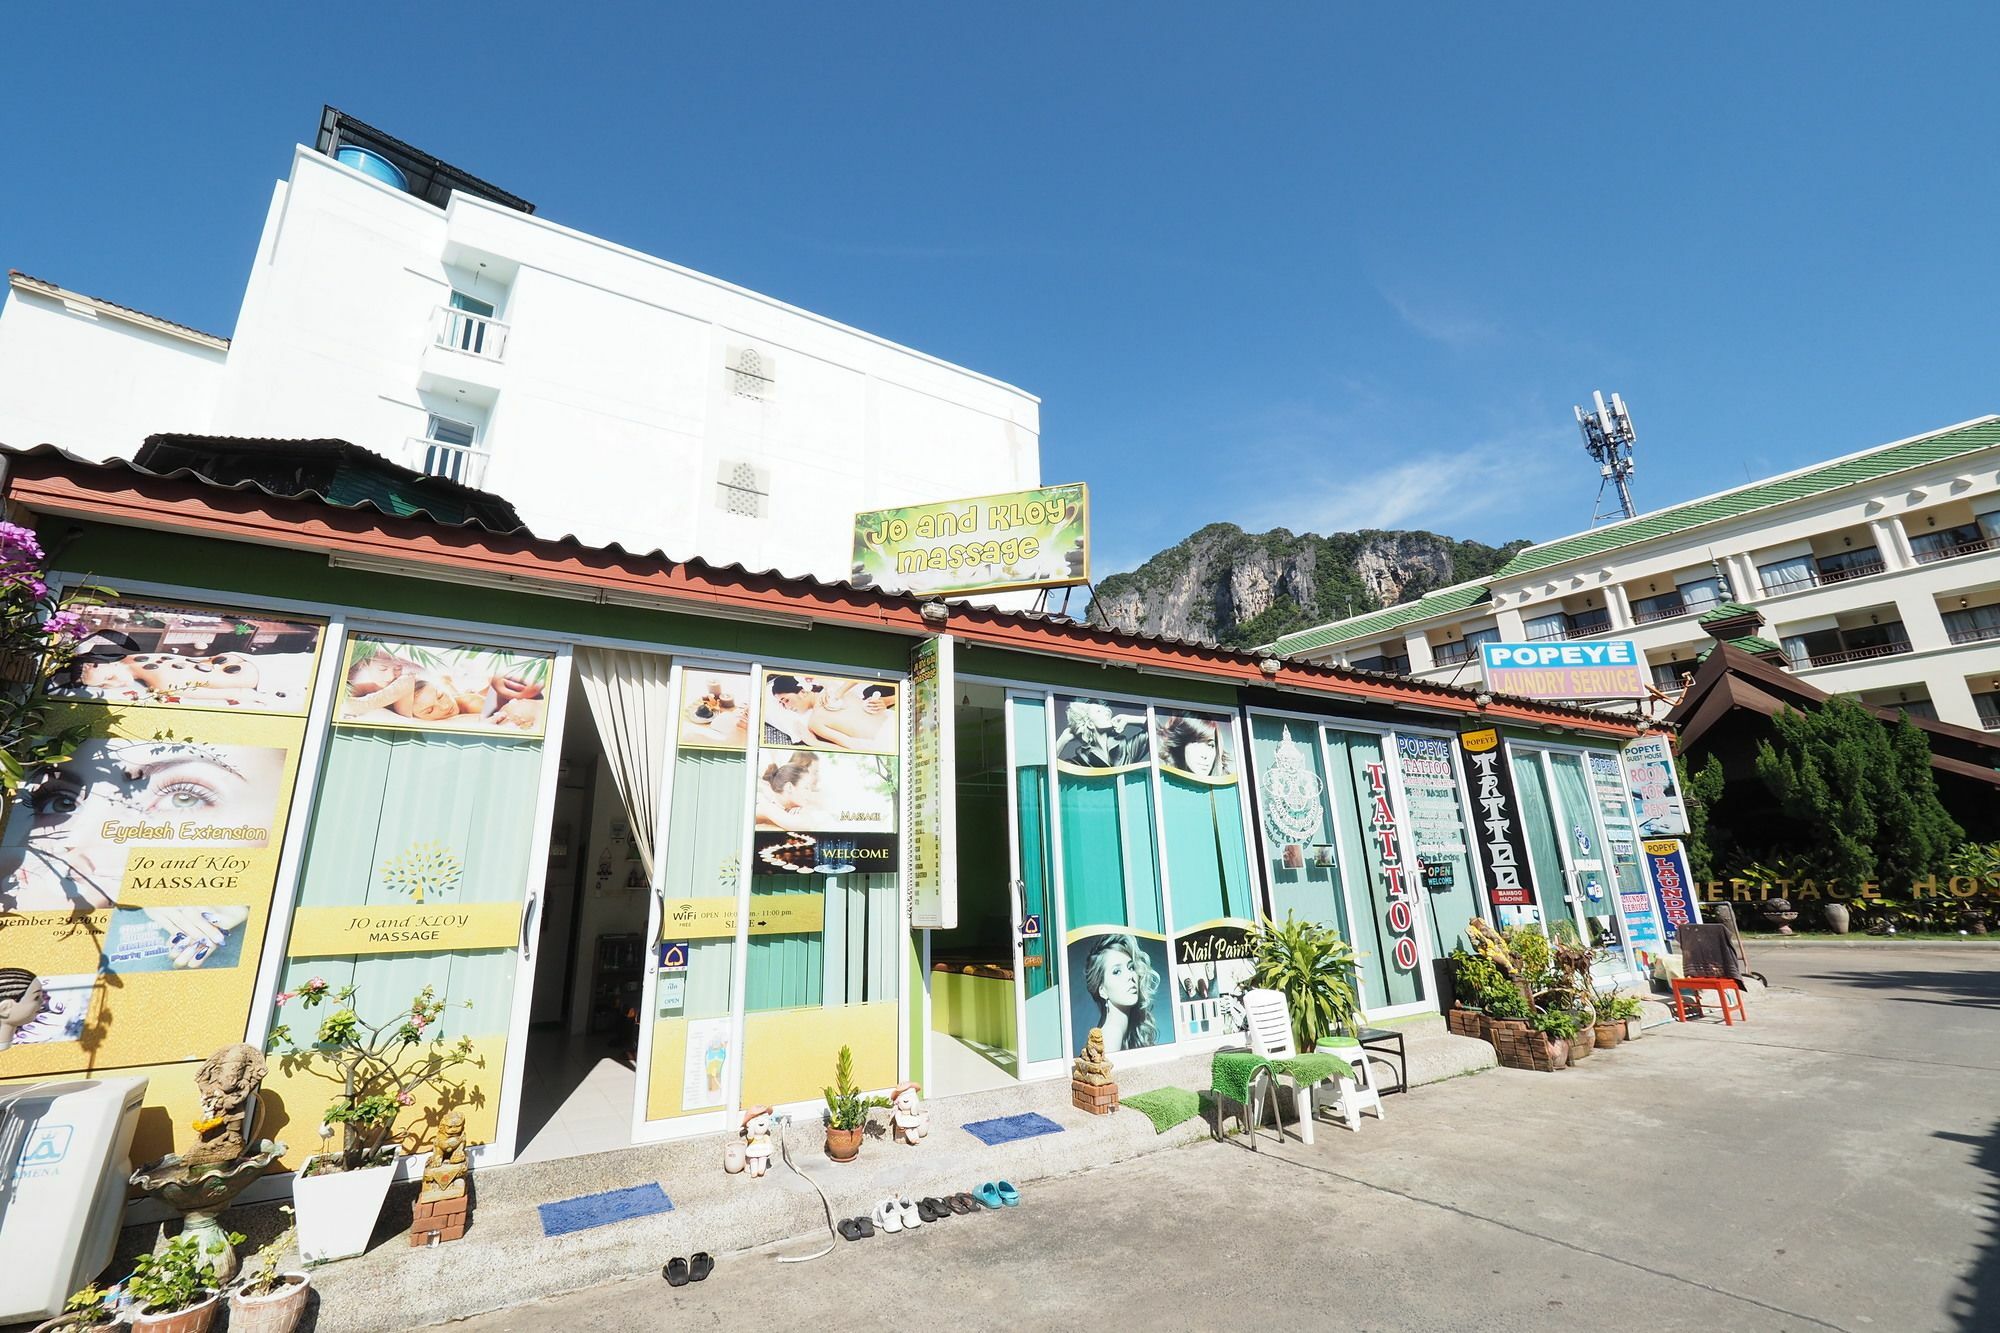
column 807, row 585
column 1439, row 603
column 1881, row 462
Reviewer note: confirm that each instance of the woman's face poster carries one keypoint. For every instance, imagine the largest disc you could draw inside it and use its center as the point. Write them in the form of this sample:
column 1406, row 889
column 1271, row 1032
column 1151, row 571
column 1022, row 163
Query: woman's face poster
column 1119, row 984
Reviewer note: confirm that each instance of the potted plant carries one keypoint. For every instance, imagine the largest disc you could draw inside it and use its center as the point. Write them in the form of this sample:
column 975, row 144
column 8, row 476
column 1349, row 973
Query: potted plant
column 1313, row 968
column 847, row 1110
column 88, row 1310
column 170, row 1289
column 380, row 1068
column 1608, row 1028
column 1559, row 1028
column 268, row 1299
column 1625, row 1011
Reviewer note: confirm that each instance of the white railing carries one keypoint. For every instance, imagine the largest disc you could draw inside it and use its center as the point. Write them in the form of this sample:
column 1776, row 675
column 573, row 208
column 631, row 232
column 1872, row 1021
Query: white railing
column 462, row 463
column 463, row 331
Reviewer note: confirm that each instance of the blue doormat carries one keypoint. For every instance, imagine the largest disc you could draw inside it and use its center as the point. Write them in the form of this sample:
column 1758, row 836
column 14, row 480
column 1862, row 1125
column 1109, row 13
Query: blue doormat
column 598, row 1210
column 1007, row 1128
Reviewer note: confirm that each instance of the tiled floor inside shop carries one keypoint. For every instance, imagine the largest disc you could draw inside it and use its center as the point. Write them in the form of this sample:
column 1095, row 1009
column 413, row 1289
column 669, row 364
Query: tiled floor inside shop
column 959, row 1064
column 576, row 1096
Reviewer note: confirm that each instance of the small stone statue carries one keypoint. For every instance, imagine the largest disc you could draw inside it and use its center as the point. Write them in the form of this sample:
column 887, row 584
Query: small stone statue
column 228, row 1082
column 757, row 1126
column 910, row 1122
column 1091, row 1067
column 444, row 1176
column 1090, row 1085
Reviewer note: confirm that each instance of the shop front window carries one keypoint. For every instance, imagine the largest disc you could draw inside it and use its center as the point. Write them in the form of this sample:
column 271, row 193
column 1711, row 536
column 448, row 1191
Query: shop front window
column 1303, row 861
column 1387, row 928
column 1438, row 840
column 1115, row 941
column 825, row 909
column 418, row 856
column 1208, row 869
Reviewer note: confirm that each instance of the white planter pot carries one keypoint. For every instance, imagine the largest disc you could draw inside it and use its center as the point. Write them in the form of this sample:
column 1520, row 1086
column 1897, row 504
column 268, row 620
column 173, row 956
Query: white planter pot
column 337, row 1212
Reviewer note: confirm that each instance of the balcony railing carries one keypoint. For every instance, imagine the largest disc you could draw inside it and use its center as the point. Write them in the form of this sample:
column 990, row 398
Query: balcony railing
column 1451, row 654
column 462, row 463
column 1956, row 549
column 1859, row 570
column 1976, row 634
column 1660, row 613
column 463, row 331
column 1990, row 721
column 1779, row 587
column 1893, row 648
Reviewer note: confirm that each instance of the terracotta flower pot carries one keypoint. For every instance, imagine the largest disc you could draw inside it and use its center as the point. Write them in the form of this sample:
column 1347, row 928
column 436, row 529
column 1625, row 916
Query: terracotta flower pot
column 843, row 1145
column 195, row 1319
column 1558, row 1052
column 1582, row 1044
column 275, row 1312
column 1609, row 1034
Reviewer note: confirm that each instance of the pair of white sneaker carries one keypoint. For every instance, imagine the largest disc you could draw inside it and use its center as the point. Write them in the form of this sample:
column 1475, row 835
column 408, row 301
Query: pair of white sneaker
column 897, row 1214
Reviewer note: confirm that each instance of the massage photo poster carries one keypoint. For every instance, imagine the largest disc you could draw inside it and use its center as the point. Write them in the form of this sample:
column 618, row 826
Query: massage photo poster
column 450, row 687
column 827, row 789
column 136, row 878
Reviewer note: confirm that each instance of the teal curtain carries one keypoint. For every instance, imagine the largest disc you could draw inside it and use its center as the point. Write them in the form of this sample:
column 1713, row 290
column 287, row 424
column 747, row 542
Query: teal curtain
column 1384, row 982
column 850, row 961
column 1207, row 862
column 1538, row 820
column 386, row 797
column 1108, row 849
column 1031, row 796
column 1288, row 752
column 703, row 843
column 1580, row 818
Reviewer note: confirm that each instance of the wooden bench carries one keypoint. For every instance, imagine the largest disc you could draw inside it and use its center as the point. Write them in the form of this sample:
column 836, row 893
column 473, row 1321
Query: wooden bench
column 1724, row 987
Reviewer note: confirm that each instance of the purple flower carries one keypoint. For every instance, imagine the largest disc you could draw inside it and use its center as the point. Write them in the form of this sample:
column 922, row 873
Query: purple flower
column 65, row 626
column 18, row 546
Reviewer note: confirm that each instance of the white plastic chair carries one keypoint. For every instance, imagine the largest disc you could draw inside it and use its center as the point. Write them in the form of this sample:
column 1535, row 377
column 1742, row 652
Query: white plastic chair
column 1269, row 1020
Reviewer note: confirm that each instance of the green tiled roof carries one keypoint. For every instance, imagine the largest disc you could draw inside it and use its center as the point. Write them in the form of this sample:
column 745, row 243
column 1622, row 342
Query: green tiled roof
column 1442, row 602
column 1925, row 449
column 1751, row 643
column 1726, row 611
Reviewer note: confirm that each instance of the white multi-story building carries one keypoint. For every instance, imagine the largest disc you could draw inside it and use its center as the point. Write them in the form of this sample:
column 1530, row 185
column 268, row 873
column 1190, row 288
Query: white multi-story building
column 1876, row 574
column 405, row 306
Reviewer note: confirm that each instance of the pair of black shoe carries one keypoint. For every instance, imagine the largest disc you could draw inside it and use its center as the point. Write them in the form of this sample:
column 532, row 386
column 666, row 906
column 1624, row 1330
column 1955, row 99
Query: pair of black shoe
column 680, row 1272
column 936, row 1210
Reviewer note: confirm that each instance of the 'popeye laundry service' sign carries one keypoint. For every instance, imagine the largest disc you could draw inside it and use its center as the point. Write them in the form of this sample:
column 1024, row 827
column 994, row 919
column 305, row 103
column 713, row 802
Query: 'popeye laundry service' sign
column 1592, row 669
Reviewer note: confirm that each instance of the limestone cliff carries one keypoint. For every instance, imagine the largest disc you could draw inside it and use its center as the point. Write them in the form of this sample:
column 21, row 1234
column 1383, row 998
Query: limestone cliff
column 1245, row 588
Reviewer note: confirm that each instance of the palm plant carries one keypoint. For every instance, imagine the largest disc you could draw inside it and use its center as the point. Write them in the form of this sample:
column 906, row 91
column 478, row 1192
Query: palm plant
column 846, row 1108
column 1313, row 968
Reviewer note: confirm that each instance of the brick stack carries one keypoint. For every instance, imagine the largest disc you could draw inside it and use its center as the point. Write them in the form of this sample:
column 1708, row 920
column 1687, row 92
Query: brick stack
column 1468, row 1023
column 441, row 1219
column 1521, row 1047
column 1096, row 1098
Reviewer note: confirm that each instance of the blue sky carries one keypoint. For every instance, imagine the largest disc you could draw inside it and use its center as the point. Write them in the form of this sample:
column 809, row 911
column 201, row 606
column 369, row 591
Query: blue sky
column 1314, row 266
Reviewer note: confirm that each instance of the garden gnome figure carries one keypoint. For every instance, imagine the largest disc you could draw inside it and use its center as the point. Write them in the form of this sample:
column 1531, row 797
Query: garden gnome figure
column 757, row 1140
column 910, row 1120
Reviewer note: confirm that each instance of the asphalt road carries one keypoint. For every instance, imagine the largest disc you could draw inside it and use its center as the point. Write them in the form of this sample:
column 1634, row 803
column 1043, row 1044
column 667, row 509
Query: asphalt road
column 1834, row 1164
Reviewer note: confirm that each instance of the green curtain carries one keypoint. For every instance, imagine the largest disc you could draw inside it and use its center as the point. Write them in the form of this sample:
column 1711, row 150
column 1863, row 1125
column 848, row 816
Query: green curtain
column 1538, row 820
column 1383, row 981
column 703, row 843
column 382, row 796
column 1309, row 890
column 1208, row 864
column 1108, row 848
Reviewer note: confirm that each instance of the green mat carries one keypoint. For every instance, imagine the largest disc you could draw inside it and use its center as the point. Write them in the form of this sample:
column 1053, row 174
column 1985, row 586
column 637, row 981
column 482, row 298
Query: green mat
column 1165, row 1107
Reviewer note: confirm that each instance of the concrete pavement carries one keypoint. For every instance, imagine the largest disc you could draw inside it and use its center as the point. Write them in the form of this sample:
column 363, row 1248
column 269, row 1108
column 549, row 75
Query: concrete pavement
column 1834, row 1164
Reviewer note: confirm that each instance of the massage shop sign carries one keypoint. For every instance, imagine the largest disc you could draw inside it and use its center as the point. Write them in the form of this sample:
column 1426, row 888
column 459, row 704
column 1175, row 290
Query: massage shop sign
column 136, row 878
column 1023, row 539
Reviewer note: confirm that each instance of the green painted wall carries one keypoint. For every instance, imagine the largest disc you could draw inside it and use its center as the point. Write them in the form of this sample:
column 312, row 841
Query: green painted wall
column 261, row 574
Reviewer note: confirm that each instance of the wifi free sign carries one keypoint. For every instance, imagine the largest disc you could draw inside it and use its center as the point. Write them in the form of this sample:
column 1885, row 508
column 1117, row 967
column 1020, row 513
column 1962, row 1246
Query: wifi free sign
column 1595, row 669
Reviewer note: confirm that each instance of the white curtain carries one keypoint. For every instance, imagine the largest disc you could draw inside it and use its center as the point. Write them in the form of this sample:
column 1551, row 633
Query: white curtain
column 634, row 709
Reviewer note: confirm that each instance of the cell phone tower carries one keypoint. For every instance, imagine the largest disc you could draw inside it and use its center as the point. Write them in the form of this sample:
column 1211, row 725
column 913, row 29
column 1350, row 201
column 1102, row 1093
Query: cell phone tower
column 1608, row 438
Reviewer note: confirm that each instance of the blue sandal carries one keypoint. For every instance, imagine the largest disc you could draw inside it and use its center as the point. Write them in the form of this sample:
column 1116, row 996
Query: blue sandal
column 1008, row 1194
column 988, row 1194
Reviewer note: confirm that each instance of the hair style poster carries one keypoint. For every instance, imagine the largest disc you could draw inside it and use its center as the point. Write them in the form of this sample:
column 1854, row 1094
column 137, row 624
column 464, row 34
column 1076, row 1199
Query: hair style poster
column 806, row 712
column 135, row 652
column 1195, row 745
column 714, row 710
column 1119, row 983
column 136, row 878
column 1212, row 965
column 444, row 687
column 1100, row 736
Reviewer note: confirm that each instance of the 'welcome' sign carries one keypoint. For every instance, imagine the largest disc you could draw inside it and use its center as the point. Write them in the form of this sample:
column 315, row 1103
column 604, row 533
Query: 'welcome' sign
column 1594, row 669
